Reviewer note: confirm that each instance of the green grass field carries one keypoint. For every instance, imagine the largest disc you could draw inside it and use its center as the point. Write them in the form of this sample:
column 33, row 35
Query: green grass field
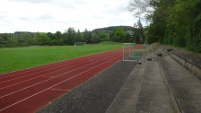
column 12, row 59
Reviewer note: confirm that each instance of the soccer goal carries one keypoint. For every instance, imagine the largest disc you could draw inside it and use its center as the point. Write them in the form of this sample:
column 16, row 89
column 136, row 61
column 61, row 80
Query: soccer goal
column 80, row 43
column 130, row 52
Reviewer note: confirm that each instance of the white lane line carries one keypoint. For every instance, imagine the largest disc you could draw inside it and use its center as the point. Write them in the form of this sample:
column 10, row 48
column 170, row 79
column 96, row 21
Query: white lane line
column 22, row 71
column 52, row 64
column 48, row 79
column 69, row 65
column 52, row 86
column 38, row 67
column 60, row 90
column 63, row 64
column 44, row 75
column 33, row 73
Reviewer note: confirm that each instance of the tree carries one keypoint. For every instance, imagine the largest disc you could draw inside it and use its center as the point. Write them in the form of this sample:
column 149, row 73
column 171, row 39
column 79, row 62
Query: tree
column 139, row 34
column 194, row 31
column 119, row 34
column 50, row 35
column 41, row 39
column 103, row 36
column 70, row 35
column 27, row 38
column 140, row 8
column 128, row 38
column 78, row 37
column 58, row 38
column 157, row 28
column 23, row 38
column 3, row 39
column 58, row 35
column 2, row 42
column 95, row 38
column 172, row 22
column 52, row 38
column 87, row 36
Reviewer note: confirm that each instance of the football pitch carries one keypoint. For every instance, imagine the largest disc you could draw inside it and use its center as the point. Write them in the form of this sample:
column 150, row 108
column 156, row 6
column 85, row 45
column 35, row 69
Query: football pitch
column 12, row 59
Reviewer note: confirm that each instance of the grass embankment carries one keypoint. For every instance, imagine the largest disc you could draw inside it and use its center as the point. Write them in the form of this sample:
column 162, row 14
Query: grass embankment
column 12, row 59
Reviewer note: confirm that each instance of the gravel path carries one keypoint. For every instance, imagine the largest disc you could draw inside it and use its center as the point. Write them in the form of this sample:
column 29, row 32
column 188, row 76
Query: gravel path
column 94, row 95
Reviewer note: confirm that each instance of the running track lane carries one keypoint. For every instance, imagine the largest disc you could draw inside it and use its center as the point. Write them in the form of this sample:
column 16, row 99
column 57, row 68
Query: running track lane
column 27, row 91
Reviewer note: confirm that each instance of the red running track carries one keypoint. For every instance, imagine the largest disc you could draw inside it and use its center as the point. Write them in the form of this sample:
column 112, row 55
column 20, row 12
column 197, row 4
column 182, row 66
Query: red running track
column 27, row 91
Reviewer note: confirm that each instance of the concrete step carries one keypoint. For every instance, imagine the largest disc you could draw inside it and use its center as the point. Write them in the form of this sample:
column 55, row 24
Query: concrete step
column 125, row 101
column 154, row 96
column 145, row 90
column 184, row 85
column 190, row 61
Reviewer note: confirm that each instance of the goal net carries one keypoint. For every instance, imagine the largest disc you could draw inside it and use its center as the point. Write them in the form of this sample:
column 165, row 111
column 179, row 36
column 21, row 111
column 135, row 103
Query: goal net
column 80, row 43
column 131, row 52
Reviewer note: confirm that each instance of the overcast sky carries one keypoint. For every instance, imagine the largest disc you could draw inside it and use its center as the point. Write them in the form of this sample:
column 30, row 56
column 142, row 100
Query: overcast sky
column 59, row 15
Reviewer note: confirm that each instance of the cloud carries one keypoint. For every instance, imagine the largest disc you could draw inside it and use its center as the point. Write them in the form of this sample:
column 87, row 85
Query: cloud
column 45, row 17
column 24, row 18
column 54, row 15
column 2, row 16
column 31, row 1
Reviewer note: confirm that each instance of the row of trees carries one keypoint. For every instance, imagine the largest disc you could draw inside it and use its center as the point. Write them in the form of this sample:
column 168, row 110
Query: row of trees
column 69, row 37
column 174, row 22
column 118, row 34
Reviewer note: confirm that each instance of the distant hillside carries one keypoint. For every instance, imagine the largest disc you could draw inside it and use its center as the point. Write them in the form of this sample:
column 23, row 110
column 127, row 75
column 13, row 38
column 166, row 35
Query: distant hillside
column 111, row 28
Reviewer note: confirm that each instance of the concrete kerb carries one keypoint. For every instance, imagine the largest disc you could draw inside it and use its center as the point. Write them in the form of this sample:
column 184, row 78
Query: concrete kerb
column 188, row 64
column 126, row 102
column 126, row 99
column 154, row 96
column 174, row 101
column 184, row 84
column 122, row 98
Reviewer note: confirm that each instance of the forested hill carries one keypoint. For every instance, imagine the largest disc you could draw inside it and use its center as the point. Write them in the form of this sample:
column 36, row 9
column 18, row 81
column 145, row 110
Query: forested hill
column 126, row 28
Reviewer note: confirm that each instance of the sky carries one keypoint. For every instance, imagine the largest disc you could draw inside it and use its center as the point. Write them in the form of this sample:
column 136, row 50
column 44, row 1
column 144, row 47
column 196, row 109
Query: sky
column 59, row 15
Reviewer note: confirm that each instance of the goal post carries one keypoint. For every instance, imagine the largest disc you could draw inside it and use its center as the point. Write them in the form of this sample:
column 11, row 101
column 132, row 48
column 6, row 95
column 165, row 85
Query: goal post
column 130, row 52
column 80, row 43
